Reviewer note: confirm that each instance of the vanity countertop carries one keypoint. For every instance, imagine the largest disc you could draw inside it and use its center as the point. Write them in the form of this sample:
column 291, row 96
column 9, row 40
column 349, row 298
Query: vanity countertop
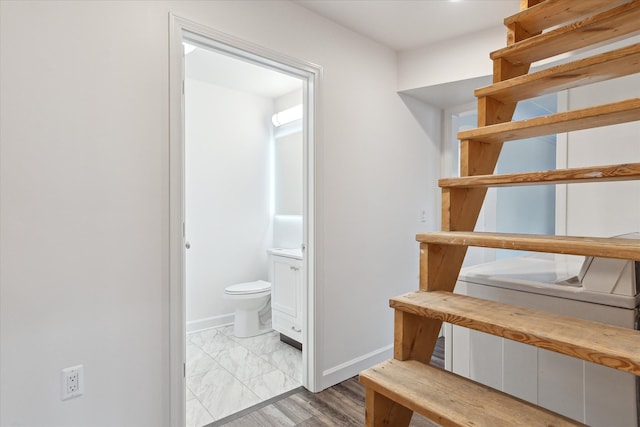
column 295, row 253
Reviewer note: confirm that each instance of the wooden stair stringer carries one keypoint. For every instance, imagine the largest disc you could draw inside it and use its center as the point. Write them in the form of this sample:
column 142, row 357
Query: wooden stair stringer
column 476, row 158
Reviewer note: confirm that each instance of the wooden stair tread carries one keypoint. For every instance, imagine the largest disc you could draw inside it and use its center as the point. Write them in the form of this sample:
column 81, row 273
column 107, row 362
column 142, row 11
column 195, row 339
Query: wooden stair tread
column 602, row 115
column 449, row 399
column 625, row 172
column 623, row 20
column 550, row 13
column 588, row 246
column 607, row 345
column 605, row 66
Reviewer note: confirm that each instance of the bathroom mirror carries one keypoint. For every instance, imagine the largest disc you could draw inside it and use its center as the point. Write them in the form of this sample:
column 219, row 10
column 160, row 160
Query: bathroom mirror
column 288, row 174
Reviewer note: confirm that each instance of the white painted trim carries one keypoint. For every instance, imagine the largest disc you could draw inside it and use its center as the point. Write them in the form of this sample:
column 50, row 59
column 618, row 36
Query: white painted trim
column 209, row 322
column 177, row 317
column 447, row 137
column 311, row 75
column 448, row 346
column 356, row 365
column 312, row 229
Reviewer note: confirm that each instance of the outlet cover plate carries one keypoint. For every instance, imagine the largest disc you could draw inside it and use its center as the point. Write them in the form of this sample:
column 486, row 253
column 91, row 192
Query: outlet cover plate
column 72, row 381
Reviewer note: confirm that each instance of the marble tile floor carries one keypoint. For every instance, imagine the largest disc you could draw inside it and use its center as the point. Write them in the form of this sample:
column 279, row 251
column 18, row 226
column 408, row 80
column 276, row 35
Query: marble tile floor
column 226, row 374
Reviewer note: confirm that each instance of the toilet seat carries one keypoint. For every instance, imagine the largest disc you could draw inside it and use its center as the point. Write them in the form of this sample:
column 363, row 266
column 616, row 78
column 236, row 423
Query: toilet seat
column 248, row 288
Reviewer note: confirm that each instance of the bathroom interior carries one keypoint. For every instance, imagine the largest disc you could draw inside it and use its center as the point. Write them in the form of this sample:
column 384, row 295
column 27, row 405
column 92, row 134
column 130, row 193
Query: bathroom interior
column 244, row 195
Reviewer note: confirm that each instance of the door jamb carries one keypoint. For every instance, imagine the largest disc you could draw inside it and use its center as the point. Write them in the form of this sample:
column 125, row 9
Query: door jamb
column 311, row 75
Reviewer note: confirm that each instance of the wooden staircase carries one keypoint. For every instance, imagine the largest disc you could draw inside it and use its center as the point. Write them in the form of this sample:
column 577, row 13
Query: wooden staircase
column 400, row 386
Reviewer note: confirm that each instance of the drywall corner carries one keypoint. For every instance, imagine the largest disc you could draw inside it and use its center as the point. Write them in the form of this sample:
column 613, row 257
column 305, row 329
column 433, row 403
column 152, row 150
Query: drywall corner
column 451, row 60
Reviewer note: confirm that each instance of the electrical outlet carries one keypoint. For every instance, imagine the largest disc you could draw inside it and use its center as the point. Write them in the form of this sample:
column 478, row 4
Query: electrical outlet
column 72, row 382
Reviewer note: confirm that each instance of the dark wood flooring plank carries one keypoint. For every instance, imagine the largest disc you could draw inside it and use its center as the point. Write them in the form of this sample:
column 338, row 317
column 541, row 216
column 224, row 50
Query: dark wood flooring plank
column 419, row 421
column 292, row 409
column 318, row 418
column 352, row 390
column 317, row 422
column 269, row 416
column 349, row 409
column 324, row 403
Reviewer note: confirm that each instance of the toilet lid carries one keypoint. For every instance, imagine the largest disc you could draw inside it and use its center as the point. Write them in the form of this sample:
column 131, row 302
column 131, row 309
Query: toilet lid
column 248, row 288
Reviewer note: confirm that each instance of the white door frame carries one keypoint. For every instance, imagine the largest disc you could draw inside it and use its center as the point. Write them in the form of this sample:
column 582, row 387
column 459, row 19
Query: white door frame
column 310, row 74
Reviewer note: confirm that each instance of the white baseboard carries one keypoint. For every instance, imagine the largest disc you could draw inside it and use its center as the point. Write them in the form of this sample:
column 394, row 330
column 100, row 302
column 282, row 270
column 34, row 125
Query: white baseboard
column 209, row 322
column 350, row 368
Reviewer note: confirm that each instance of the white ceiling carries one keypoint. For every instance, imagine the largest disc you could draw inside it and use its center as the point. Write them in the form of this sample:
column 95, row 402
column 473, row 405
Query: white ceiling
column 399, row 24
column 409, row 24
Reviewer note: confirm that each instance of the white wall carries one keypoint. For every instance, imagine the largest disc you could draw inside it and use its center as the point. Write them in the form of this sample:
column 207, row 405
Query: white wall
column 288, row 100
column 604, row 209
column 227, row 196
column 84, row 215
column 451, row 60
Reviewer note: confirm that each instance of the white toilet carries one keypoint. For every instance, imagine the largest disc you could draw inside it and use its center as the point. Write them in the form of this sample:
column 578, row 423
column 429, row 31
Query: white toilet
column 249, row 299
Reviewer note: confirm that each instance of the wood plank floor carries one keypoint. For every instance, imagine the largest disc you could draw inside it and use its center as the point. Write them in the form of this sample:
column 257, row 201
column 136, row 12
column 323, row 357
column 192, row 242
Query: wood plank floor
column 340, row 405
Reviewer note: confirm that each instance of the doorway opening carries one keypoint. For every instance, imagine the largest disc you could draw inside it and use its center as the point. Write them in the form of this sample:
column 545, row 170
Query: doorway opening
column 242, row 168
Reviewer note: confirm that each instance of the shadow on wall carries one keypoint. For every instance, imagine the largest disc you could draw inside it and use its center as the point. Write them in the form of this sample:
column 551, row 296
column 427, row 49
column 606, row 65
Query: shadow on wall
column 427, row 116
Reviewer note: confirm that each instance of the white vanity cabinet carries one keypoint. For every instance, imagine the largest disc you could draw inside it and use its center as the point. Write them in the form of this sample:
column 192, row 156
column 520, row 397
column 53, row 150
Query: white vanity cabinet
column 286, row 295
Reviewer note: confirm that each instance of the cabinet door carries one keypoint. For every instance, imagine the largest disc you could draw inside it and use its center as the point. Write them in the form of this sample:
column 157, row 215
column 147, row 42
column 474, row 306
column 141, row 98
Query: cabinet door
column 285, row 286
